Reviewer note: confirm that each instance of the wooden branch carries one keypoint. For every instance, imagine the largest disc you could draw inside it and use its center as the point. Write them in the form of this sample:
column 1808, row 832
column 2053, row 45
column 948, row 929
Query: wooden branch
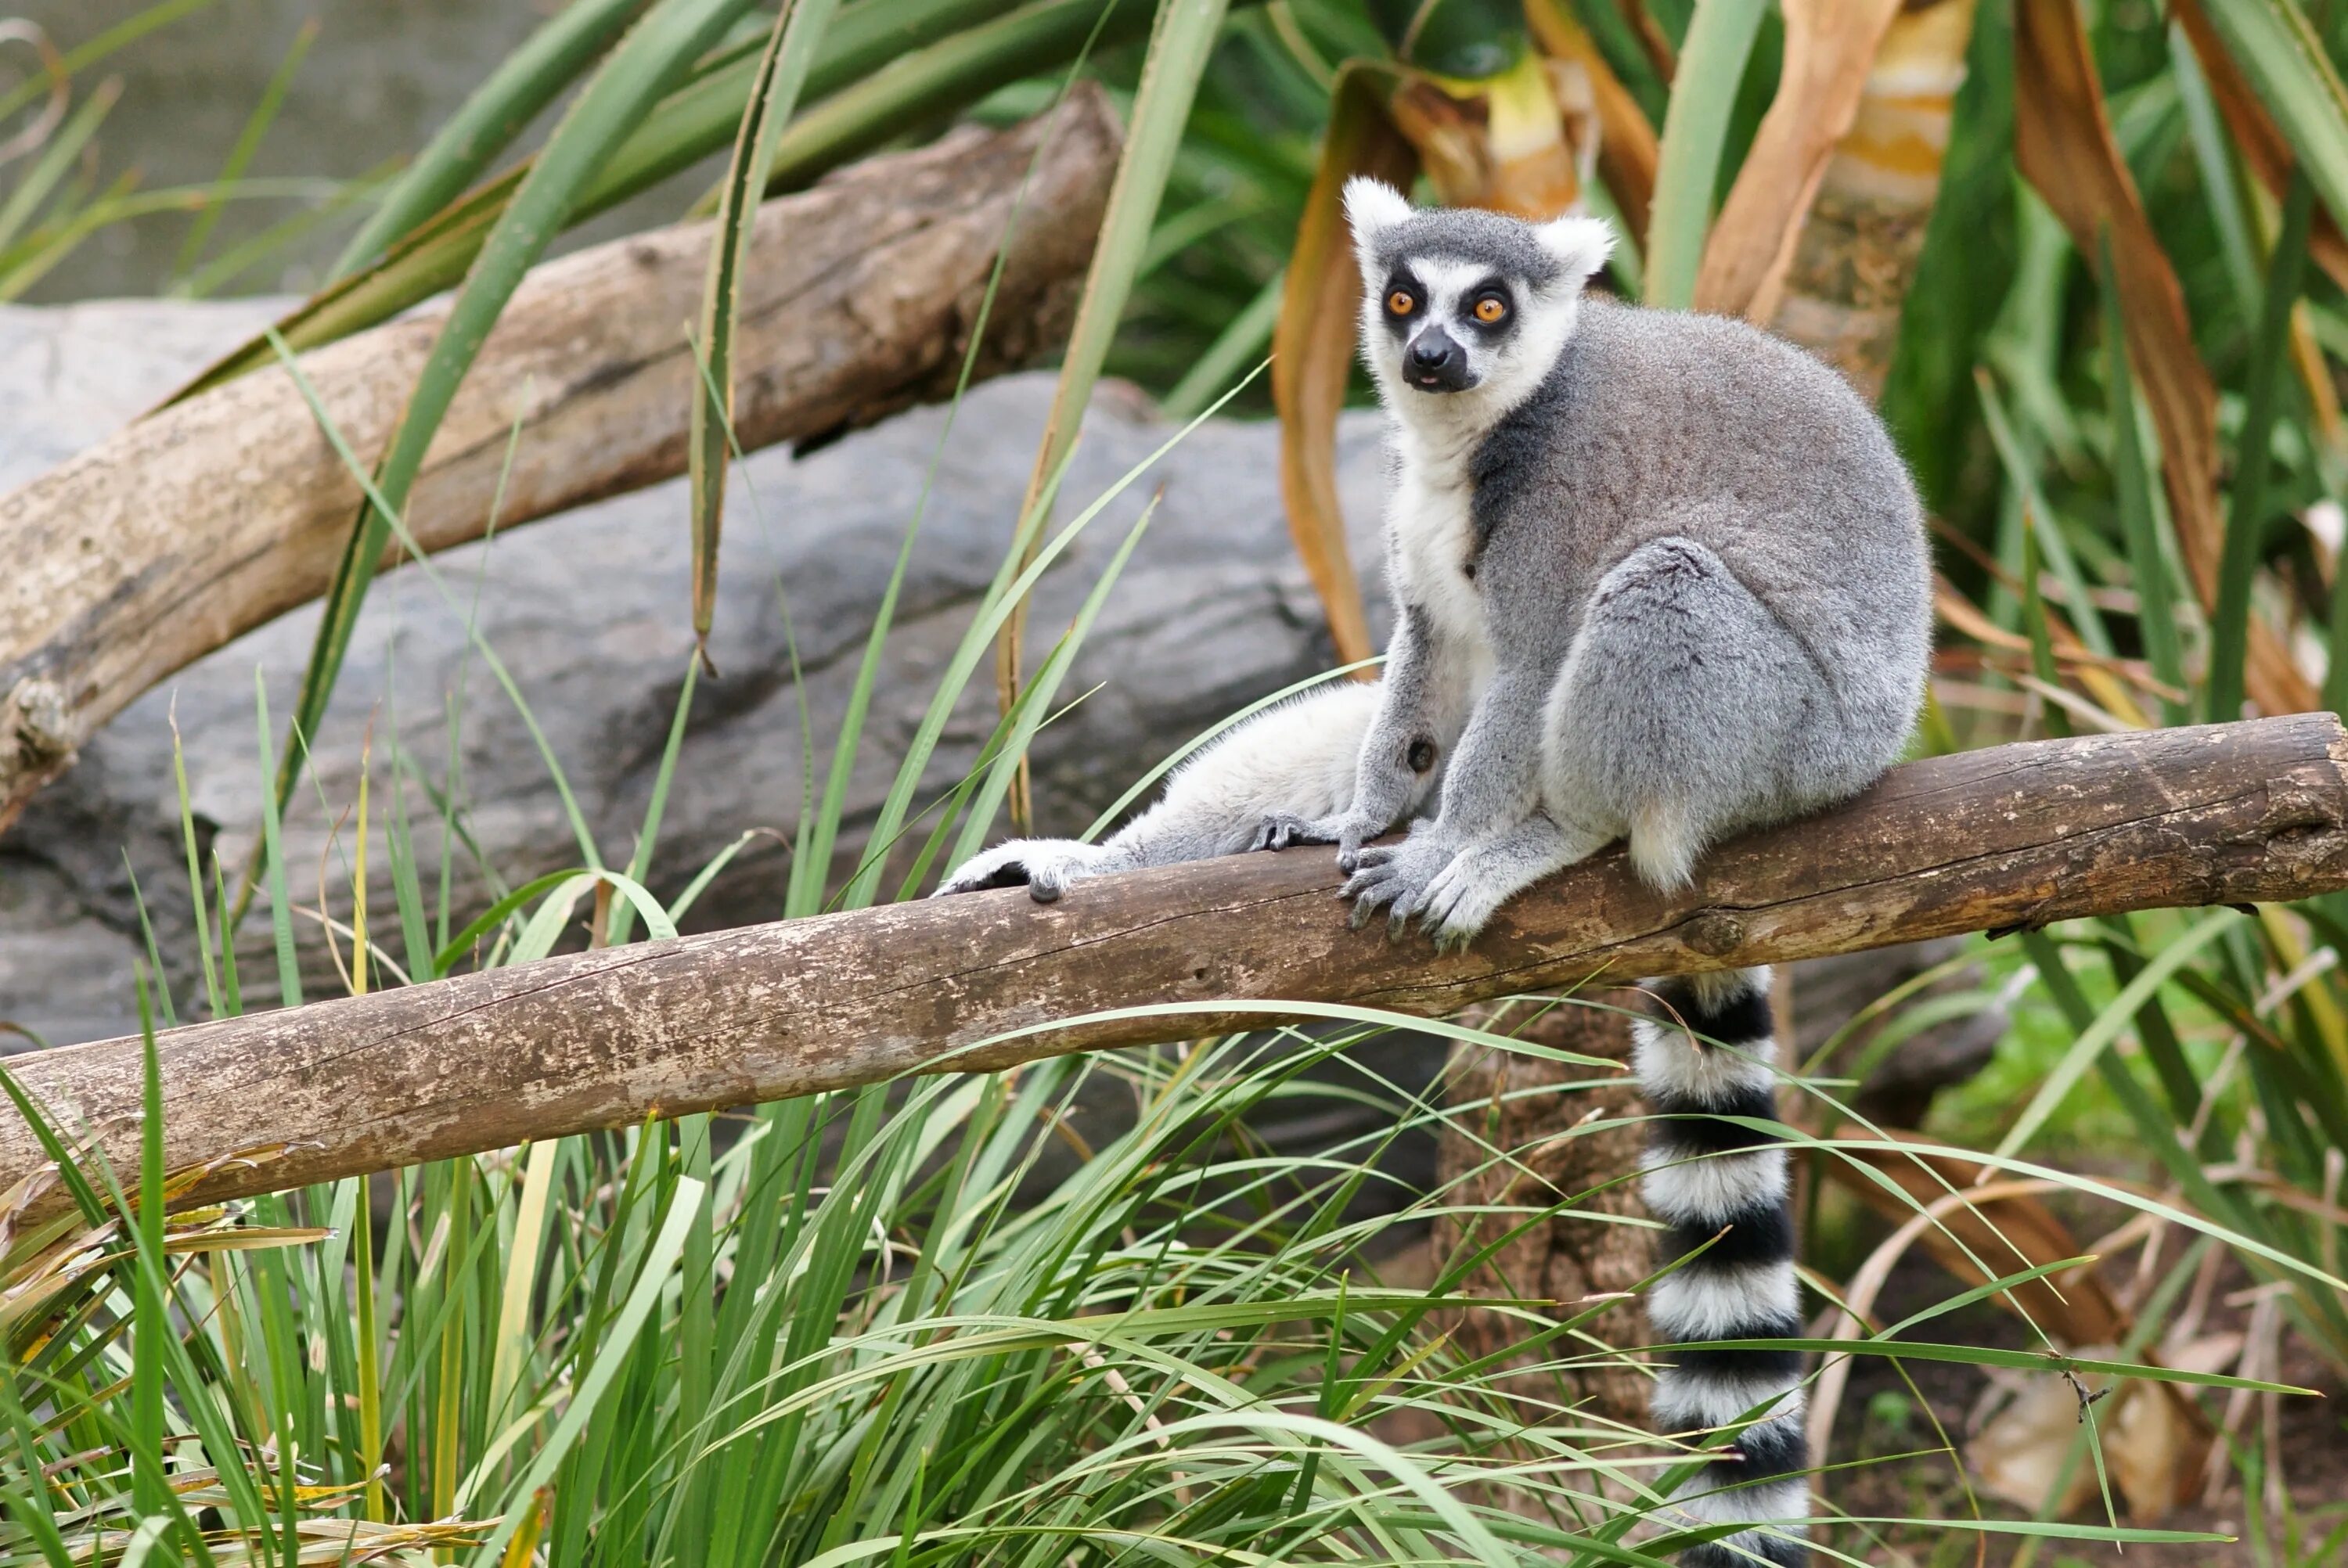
column 2015, row 835
column 209, row 518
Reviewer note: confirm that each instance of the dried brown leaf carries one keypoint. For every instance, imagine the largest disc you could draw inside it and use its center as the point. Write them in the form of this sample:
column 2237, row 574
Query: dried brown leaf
column 1830, row 49
column 1627, row 146
column 1312, row 343
column 2154, row 1436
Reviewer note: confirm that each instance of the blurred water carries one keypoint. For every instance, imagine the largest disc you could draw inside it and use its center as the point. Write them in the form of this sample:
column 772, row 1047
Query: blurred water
column 380, row 76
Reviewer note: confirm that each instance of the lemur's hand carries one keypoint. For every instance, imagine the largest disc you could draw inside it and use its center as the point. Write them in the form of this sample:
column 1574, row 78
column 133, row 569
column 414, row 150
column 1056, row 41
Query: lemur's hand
column 1397, row 877
column 1347, row 830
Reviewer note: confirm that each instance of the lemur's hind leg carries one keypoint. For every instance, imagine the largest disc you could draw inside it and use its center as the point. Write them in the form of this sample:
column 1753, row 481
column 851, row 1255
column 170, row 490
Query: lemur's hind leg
column 1686, row 712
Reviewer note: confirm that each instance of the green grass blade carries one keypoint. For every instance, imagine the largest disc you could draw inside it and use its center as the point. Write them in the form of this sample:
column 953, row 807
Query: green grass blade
column 2117, row 1016
column 196, row 891
column 1180, row 47
column 248, row 143
column 523, row 83
column 2230, row 619
column 2284, row 59
column 1228, row 357
column 1696, row 135
column 148, row 1345
column 123, row 33
column 380, row 506
column 652, row 1281
column 35, row 184
column 272, row 852
column 2052, row 717
column 693, row 123
column 2149, row 567
column 1035, row 701
column 798, row 32
column 640, row 863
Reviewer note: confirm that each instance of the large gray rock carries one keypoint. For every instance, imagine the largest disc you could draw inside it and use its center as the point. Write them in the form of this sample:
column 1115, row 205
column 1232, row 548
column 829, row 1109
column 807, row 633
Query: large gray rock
column 589, row 614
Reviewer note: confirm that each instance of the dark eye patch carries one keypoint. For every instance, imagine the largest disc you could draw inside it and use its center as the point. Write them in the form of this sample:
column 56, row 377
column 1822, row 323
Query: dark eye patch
column 1489, row 307
column 1399, row 283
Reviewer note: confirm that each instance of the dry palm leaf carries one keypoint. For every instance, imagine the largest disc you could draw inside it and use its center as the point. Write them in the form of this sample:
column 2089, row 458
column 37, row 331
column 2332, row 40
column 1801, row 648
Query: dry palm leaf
column 1312, row 343
column 1830, row 49
column 2064, row 145
column 1855, row 254
column 1627, row 151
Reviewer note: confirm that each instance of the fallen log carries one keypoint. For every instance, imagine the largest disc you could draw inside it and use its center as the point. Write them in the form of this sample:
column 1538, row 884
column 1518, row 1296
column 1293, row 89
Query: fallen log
column 2011, row 836
column 209, row 518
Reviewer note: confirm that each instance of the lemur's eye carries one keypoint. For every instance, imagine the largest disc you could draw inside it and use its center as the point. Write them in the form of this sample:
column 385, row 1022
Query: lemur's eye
column 1400, row 303
column 1491, row 309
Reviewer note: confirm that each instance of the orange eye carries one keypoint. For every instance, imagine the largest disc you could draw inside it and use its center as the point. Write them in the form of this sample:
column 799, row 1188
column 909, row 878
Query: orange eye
column 1400, row 303
column 1490, row 309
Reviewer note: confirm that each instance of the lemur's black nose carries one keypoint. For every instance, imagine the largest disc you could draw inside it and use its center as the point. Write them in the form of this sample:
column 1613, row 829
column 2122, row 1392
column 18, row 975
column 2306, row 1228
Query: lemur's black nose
column 1433, row 352
column 1434, row 363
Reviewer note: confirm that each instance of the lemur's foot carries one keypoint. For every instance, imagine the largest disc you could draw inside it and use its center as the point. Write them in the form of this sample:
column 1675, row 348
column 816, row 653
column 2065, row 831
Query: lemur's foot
column 1398, row 878
column 1045, row 866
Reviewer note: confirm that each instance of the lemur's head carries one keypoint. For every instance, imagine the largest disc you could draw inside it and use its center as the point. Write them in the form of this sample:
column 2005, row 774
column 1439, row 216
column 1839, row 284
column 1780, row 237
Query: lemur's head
column 1457, row 300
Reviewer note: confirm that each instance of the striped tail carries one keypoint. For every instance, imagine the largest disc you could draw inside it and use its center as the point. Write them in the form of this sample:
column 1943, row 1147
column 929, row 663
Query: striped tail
column 1706, row 1177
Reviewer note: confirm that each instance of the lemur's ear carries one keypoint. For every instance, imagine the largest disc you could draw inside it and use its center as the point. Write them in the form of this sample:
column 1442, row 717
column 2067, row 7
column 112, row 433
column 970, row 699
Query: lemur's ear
column 1580, row 243
column 1372, row 208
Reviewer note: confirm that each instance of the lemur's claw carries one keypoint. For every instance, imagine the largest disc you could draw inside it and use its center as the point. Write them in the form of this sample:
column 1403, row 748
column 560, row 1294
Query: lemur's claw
column 1281, row 830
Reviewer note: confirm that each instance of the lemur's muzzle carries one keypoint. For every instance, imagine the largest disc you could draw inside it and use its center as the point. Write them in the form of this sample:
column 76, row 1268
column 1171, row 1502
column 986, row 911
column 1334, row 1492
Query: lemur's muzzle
column 1434, row 363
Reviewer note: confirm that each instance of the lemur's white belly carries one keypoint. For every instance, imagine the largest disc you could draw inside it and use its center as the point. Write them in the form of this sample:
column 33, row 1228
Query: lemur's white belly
column 1430, row 541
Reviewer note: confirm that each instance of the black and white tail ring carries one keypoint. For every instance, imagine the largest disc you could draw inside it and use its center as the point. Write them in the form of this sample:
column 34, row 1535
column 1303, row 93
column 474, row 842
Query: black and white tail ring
column 1706, row 1177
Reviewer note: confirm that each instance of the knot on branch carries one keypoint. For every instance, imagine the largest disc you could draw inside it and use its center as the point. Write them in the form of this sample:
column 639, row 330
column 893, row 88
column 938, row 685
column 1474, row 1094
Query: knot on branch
column 38, row 722
column 1714, row 933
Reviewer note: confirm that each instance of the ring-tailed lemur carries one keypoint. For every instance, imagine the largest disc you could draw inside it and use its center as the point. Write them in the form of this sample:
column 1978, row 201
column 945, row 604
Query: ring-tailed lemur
column 1657, row 577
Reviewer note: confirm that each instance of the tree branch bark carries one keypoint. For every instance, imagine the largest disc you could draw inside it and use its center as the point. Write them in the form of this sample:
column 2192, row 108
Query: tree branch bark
column 211, row 517
column 2010, row 837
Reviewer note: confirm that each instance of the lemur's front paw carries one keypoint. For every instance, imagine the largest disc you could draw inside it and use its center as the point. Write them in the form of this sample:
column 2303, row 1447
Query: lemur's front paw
column 1045, row 866
column 1396, row 877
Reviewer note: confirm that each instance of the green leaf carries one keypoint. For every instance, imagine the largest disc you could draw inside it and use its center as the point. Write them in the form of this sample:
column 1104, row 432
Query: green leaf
column 782, row 73
column 652, row 1281
column 1180, row 49
column 523, row 83
column 2230, row 619
column 2278, row 51
column 1695, row 133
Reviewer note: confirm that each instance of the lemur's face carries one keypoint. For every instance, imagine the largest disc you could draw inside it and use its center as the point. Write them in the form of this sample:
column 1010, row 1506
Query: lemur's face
column 1461, row 301
column 1448, row 324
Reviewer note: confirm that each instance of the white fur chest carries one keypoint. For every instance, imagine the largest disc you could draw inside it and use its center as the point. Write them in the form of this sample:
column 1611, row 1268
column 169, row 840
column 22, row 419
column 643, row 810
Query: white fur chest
column 1430, row 541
